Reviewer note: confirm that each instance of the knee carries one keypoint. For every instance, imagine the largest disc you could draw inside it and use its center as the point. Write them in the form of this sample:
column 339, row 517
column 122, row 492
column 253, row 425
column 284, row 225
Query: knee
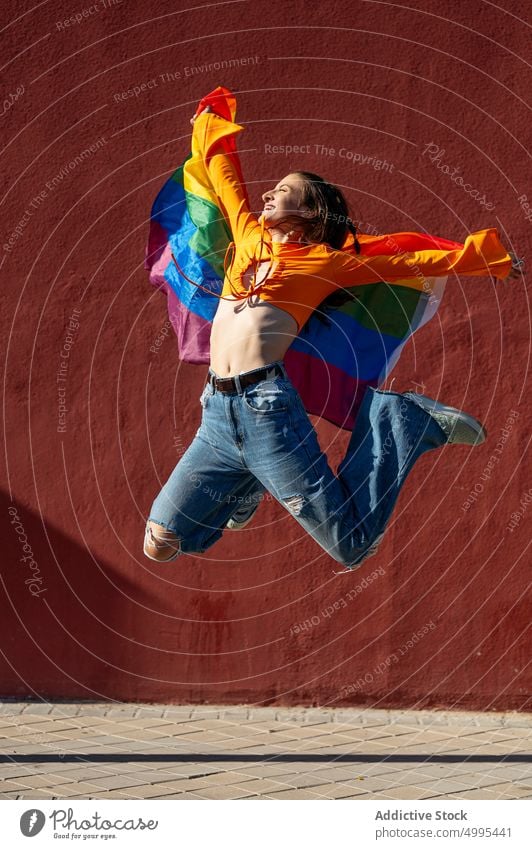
column 161, row 544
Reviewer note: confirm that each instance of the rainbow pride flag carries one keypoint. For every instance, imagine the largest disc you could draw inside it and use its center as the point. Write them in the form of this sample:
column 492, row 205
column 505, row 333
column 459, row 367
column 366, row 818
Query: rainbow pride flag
column 332, row 364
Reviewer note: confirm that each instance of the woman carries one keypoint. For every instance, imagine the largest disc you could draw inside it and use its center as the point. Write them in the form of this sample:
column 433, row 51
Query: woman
column 255, row 434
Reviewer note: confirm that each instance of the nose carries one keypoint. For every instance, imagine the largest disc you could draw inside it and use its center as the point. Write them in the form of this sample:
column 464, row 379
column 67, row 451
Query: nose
column 267, row 196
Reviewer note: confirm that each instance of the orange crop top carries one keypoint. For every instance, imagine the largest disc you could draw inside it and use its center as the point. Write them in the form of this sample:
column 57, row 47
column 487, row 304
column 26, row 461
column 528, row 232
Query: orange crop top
column 302, row 276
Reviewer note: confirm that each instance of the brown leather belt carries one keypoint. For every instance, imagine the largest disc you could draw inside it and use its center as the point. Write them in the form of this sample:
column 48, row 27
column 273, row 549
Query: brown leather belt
column 229, row 384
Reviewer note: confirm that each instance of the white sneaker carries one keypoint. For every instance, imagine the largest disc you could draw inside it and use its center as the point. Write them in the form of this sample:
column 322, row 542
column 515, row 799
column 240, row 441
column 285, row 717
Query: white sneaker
column 244, row 514
column 459, row 427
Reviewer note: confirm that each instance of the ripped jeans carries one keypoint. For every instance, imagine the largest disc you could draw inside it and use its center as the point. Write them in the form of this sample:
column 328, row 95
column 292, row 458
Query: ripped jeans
column 262, row 439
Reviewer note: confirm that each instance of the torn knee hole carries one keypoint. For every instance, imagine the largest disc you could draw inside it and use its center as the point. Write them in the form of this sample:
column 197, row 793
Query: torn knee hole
column 295, row 504
column 161, row 544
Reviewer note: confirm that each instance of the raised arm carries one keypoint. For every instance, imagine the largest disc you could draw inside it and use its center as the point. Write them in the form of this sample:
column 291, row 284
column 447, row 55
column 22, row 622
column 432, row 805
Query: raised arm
column 213, row 141
column 482, row 254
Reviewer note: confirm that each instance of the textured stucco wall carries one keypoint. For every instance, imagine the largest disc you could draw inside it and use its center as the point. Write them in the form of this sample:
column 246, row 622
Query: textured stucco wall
column 261, row 617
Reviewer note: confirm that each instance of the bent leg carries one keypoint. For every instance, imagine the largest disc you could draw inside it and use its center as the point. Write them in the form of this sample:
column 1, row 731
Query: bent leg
column 194, row 505
column 347, row 513
column 391, row 433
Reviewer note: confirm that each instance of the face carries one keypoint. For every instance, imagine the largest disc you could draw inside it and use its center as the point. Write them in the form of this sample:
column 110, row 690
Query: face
column 284, row 199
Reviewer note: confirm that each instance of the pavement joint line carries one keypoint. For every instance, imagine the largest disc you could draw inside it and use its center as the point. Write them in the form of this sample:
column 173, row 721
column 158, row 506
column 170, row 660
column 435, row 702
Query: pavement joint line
column 118, row 737
column 384, row 732
column 357, row 714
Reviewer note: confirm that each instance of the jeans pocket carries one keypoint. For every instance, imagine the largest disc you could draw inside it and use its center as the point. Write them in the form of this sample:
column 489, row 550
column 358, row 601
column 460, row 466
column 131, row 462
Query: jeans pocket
column 205, row 395
column 268, row 396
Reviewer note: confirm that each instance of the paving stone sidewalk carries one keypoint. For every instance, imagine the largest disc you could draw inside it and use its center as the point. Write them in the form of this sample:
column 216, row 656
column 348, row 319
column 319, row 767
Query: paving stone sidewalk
column 89, row 750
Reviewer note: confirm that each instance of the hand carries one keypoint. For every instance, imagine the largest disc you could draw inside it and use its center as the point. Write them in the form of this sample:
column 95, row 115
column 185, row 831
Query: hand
column 207, row 109
column 517, row 266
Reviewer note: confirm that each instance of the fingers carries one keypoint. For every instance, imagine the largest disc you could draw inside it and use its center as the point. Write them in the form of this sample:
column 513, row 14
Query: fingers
column 514, row 274
column 207, row 109
column 517, row 267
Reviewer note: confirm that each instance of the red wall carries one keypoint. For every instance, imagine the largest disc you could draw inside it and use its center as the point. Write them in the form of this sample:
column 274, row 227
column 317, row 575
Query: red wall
column 261, row 617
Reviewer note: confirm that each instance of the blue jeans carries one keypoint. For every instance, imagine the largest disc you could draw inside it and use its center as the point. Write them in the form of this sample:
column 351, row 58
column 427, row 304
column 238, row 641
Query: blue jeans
column 262, row 439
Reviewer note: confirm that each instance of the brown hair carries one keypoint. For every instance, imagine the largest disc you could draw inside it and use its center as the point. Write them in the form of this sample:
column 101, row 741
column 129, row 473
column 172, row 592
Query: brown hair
column 330, row 225
column 331, row 221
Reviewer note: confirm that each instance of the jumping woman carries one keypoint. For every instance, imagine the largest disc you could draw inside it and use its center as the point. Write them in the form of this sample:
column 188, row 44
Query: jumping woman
column 255, row 434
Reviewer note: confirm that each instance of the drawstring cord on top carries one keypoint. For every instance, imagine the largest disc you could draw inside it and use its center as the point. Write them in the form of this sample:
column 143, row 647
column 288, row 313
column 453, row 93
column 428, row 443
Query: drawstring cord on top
column 203, row 288
column 197, row 285
column 257, row 260
column 231, row 248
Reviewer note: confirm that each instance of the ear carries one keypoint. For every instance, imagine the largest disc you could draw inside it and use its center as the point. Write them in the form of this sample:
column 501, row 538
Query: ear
column 305, row 211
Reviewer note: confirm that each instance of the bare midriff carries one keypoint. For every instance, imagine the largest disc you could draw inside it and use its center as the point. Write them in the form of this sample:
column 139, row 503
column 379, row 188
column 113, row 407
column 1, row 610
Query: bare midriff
column 249, row 333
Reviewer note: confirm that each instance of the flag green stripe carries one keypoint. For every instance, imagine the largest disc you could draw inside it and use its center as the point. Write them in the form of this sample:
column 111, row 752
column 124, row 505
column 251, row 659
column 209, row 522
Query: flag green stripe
column 212, row 236
column 384, row 308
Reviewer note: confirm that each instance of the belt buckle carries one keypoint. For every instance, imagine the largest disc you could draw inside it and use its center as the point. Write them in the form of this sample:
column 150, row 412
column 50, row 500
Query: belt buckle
column 224, row 384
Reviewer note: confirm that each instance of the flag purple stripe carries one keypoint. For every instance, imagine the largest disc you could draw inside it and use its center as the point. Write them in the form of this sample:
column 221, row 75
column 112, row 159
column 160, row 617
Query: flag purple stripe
column 329, row 392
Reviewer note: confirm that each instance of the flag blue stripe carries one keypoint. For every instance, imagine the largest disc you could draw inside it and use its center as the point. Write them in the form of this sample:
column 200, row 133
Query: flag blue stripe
column 349, row 346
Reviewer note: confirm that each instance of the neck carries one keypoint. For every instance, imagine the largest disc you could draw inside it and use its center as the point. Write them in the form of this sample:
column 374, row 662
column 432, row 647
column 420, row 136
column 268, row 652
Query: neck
column 295, row 237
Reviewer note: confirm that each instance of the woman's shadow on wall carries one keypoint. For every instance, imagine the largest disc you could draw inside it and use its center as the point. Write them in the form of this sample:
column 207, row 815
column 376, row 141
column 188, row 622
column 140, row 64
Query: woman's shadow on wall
column 70, row 618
